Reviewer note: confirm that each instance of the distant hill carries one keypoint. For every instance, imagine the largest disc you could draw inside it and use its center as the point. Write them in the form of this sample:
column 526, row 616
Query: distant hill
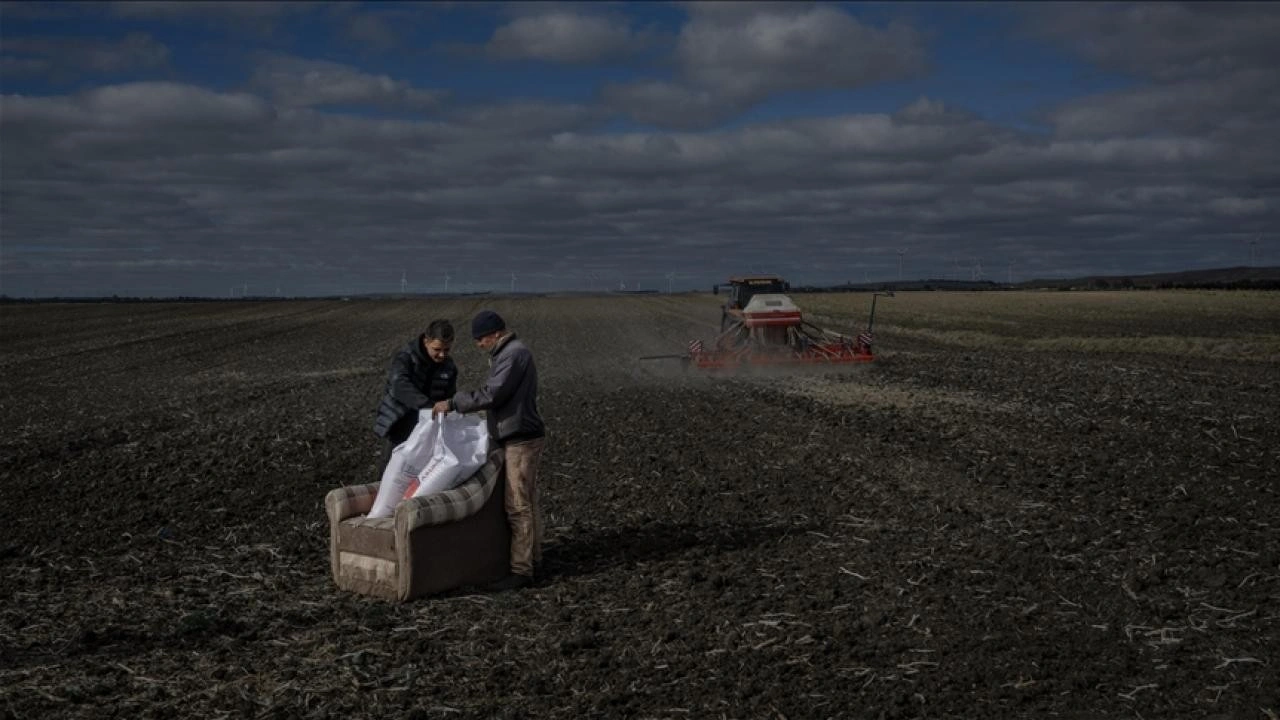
column 1232, row 278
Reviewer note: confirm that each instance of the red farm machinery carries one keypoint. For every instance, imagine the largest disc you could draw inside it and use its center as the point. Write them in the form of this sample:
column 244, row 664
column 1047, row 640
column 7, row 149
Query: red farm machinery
column 760, row 327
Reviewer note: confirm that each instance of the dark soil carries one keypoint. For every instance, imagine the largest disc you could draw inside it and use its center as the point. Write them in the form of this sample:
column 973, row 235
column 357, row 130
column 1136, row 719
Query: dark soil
column 1028, row 535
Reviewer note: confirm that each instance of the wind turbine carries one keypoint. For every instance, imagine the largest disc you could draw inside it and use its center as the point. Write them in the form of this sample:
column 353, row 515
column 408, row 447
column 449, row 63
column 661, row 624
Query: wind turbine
column 1010, row 272
column 403, row 282
column 670, row 277
column 513, row 282
column 446, row 283
column 901, row 252
column 1253, row 250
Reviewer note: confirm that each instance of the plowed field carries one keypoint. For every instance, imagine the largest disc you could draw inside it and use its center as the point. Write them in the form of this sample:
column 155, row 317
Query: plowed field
column 1030, row 506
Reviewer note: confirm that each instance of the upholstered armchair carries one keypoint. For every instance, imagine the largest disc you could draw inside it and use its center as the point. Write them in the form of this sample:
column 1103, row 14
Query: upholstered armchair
column 432, row 544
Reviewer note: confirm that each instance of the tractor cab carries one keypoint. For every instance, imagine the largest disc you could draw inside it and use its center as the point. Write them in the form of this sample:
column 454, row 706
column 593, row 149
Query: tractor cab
column 742, row 289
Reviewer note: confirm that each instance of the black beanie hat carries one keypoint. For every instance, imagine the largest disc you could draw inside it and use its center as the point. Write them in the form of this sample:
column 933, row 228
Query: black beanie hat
column 485, row 322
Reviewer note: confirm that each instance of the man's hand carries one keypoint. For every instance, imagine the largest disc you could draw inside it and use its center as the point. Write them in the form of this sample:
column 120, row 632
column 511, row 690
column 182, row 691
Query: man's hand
column 440, row 408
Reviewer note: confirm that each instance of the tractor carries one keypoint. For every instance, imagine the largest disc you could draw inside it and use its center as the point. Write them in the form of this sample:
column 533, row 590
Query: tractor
column 760, row 326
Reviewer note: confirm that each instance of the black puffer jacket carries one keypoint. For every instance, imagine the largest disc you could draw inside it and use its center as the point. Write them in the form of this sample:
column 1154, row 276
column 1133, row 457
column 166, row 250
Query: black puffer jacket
column 414, row 382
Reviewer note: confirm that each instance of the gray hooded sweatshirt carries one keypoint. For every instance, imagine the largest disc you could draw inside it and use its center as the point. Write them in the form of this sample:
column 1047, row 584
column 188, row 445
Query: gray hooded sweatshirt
column 510, row 394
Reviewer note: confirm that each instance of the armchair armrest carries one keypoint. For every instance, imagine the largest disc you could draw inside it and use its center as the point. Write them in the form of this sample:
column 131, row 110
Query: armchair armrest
column 344, row 502
column 451, row 505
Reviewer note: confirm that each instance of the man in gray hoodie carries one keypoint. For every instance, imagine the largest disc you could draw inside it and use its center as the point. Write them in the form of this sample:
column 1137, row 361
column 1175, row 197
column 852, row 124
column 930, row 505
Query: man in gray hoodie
column 509, row 398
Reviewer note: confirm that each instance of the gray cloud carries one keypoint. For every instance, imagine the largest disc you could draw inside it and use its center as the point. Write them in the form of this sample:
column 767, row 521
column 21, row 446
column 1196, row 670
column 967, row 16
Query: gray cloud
column 258, row 19
column 1241, row 100
column 671, row 105
column 385, row 27
column 1207, row 95
column 169, row 188
column 767, row 52
column 524, row 118
column 297, row 82
column 565, row 36
column 261, row 10
column 165, row 183
column 1164, row 41
column 1201, row 69
column 135, row 107
column 67, row 58
column 733, row 55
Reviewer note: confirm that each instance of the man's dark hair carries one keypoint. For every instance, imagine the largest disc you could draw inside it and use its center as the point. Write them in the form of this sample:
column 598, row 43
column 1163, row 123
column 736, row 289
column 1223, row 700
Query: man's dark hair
column 441, row 330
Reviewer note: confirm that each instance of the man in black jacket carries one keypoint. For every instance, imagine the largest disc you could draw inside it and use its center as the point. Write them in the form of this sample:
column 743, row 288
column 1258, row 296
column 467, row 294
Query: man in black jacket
column 509, row 398
column 421, row 374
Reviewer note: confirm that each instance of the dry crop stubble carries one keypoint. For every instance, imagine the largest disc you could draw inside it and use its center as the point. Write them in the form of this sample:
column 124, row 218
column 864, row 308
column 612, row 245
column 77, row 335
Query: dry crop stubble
column 1202, row 324
column 988, row 530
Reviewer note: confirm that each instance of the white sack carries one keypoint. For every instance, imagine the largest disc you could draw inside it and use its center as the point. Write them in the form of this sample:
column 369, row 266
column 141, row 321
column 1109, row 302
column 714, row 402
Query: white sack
column 439, row 454
column 461, row 448
column 407, row 460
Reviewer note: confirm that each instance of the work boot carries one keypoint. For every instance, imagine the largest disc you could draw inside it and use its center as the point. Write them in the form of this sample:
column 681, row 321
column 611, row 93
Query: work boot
column 514, row 581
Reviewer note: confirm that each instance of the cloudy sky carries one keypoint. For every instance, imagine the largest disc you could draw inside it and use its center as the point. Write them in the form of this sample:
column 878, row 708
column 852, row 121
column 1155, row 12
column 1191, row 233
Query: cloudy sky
column 190, row 148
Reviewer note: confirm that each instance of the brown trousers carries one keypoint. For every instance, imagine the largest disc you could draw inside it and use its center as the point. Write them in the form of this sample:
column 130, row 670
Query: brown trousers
column 523, row 512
